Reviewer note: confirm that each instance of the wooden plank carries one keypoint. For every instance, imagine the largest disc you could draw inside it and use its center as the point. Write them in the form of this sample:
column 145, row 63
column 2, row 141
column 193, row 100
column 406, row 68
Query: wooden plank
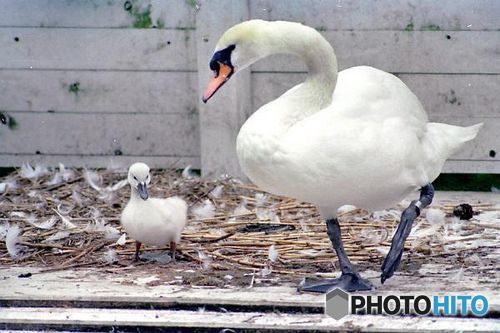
column 234, row 320
column 222, row 117
column 124, row 289
column 99, row 161
column 99, row 91
column 92, row 14
column 404, row 52
column 441, row 94
column 382, row 14
column 102, row 134
column 107, row 49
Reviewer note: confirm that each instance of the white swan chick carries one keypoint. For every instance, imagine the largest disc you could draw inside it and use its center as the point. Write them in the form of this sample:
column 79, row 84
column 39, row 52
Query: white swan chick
column 152, row 221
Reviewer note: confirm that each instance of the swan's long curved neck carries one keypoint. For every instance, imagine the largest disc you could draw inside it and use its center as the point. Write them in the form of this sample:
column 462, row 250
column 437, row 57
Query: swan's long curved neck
column 302, row 101
column 308, row 44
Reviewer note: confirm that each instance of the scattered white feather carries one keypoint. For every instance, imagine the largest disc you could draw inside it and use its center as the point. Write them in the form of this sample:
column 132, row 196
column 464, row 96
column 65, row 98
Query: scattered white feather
column 57, row 236
column 99, row 225
column 33, row 194
column 93, row 179
column 266, row 271
column 110, row 256
column 310, row 252
column 62, row 175
column 11, row 240
column 372, row 237
column 241, row 209
column 228, row 277
column 56, row 179
column 264, row 214
column 489, row 216
column 216, row 192
column 29, row 172
column 273, row 253
column 204, row 210
column 458, row 275
column 146, row 280
column 22, row 215
column 384, row 250
column 3, row 187
column 206, row 260
column 383, row 214
column 46, row 224
column 64, row 209
column 260, row 199
column 117, row 186
column 345, row 209
column 435, row 216
column 121, row 241
column 106, row 194
column 65, row 220
column 455, row 225
column 4, row 227
column 10, row 183
column 77, row 198
column 187, row 172
column 95, row 213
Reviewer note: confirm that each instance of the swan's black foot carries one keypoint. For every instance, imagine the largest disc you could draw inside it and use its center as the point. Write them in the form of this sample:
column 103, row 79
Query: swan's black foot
column 347, row 282
column 393, row 258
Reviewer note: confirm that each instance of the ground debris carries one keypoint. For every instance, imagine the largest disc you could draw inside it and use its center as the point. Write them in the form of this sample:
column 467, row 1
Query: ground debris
column 234, row 230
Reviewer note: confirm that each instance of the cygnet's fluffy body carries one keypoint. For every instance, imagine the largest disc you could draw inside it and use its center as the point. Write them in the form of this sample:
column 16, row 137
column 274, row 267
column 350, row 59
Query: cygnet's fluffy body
column 152, row 221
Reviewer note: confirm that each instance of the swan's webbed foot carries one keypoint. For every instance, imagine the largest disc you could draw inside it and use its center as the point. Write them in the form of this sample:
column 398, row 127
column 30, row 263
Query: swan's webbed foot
column 350, row 279
column 393, row 258
column 348, row 282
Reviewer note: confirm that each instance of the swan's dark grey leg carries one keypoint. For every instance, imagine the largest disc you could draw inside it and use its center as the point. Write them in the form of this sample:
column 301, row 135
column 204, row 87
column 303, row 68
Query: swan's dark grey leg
column 409, row 215
column 350, row 279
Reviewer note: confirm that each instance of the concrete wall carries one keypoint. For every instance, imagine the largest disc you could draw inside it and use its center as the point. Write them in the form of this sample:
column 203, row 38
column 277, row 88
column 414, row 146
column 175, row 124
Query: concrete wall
column 90, row 82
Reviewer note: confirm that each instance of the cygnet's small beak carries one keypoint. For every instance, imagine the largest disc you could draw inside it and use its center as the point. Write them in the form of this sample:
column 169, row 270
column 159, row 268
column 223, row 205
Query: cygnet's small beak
column 221, row 77
column 143, row 190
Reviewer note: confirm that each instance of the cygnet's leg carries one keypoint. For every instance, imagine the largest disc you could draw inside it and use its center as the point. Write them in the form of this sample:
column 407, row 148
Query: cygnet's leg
column 409, row 215
column 137, row 249
column 173, row 246
column 350, row 280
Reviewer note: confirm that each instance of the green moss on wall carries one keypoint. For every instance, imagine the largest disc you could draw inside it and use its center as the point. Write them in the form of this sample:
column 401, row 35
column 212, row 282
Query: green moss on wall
column 431, row 27
column 8, row 120
column 410, row 27
column 141, row 16
column 74, row 88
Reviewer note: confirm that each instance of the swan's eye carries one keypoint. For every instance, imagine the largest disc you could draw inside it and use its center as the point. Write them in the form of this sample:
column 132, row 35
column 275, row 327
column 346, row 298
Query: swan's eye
column 135, row 177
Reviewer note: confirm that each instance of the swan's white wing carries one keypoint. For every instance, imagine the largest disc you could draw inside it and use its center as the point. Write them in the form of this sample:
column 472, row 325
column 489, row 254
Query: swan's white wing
column 364, row 92
column 365, row 148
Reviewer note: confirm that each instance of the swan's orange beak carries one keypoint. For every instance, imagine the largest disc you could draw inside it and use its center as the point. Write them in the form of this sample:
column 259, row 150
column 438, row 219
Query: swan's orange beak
column 218, row 81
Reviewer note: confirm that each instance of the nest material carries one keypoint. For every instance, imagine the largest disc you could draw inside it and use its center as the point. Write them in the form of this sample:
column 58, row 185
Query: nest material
column 238, row 237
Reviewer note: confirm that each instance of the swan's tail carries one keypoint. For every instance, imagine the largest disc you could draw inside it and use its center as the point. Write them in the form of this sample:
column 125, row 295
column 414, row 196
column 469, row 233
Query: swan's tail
column 443, row 140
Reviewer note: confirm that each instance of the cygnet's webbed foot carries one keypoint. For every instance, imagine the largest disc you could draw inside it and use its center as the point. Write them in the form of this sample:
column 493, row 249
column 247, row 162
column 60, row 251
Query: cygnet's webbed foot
column 173, row 246
column 137, row 249
column 348, row 282
column 393, row 258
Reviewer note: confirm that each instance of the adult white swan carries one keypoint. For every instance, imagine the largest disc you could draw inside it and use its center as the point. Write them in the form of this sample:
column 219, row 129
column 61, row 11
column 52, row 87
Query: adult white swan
column 357, row 137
